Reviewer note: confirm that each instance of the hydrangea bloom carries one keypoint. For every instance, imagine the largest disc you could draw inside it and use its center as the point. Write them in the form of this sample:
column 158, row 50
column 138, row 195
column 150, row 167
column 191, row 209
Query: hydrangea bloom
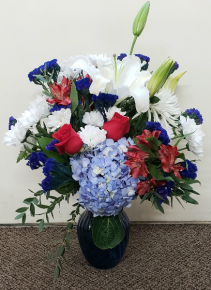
column 194, row 114
column 34, row 160
column 190, row 170
column 164, row 138
column 106, row 185
column 58, row 119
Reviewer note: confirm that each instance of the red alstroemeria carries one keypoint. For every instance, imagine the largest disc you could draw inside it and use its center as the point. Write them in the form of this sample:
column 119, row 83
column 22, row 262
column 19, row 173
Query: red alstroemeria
column 61, row 92
column 167, row 156
column 145, row 186
column 136, row 161
column 141, row 139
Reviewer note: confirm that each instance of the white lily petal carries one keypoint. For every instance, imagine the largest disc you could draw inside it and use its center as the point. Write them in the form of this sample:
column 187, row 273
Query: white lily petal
column 141, row 97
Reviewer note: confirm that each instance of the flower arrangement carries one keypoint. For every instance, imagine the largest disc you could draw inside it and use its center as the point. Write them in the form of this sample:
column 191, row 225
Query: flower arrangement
column 110, row 130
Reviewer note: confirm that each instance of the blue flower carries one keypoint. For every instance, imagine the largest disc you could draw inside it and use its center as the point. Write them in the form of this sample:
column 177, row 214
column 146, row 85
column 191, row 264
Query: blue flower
column 164, row 138
column 49, row 165
column 176, row 65
column 194, row 114
column 58, row 107
column 50, row 66
column 190, row 170
column 46, row 183
column 143, row 57
column 164, row 190
column 34, row 160
column 106, row 185
column 12, row 122
column 104, row 102
column 82, row 84
column 51, row 147
column 121, row 56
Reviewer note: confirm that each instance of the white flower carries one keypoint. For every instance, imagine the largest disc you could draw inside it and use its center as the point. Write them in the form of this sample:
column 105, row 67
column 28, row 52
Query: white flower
column 92, row 136
column 15, row 136
column 58, row 119
column 195, row 141
column 123, row 78
column 38, row 109
column 93, row 118
column 111, row 111
column 166, row 111
column 100, row 59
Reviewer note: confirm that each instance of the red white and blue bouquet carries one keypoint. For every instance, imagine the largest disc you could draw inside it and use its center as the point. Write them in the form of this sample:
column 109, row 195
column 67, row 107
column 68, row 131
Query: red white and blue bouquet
column 110, row 130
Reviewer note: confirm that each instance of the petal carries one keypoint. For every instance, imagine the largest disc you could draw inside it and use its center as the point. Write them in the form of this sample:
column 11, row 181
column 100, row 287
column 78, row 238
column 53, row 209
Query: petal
column 141, row 97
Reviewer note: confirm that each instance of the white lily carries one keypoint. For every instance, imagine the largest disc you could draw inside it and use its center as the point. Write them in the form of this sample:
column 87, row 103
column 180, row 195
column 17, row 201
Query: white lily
column 123, row 78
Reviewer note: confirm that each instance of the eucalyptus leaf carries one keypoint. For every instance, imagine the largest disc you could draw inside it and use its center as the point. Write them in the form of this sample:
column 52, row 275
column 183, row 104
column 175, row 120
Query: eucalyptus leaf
column 41, row 225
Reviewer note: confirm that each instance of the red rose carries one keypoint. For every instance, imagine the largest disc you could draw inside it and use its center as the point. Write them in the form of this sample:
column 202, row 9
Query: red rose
column 70, row 141
column 117, row 127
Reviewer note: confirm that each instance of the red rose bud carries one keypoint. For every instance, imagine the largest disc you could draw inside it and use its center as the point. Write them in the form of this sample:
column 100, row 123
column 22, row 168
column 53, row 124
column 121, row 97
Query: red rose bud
column 117, row 127
column 69, row 141
column 61, row 92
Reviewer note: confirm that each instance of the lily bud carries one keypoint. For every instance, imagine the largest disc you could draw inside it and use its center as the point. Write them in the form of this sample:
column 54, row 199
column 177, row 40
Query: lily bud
column 141, row 19
column 171, row 82
column 159, row 76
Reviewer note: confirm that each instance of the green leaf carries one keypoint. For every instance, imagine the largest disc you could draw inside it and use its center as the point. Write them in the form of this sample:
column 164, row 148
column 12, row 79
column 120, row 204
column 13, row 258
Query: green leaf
column 195, row 192
column 191, row 181
column 145, row 148
column 60, row 264
column 30, row 199
column 22, row 209
column 56, row 273
column 32, row 209
column 41, row 225
column 70, row 226
column 183, row 137
column 158, row 206
column 154, row 100
column 24, row 219
column 35, row 201
column 42, row 206
column 41, row 78
column 47, row 93
column 22, row 155
column 50, row 154
column 60, row 251
column 155, row 143
column 19, row 216
column 107, row 231
column 28, row 149
column 158, row 195
column 146, row 195
column 189, row 199
column 185, row 186
column 47, row 218
column 74, row 97
column 155, row 172
column 67, row 240
column 182, row 156
column 38, row 193
column 42, row 131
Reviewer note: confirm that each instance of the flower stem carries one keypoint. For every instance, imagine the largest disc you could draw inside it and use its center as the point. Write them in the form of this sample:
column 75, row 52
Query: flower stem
column 134, row 41
column 182, row 149
column 33, row 144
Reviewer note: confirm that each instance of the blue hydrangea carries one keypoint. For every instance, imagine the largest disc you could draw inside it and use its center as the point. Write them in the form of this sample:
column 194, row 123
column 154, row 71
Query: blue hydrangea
column 51, row 147
column 106, row 185
column 58, row 107
column 104, row 102
column 12, row 122
column 50, row 65
column 190, row 170
column 164, row 190
column 36, row 160
column 82, row 84
column 164, row 138
column 194, row 114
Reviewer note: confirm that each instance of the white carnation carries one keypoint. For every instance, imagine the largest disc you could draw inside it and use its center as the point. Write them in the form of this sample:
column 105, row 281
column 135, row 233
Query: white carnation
column 93, row 118
column 15, row 136
column 195, row 140
column 58, row 119
column 38, row 109
column 111, row 111
column 92, row 136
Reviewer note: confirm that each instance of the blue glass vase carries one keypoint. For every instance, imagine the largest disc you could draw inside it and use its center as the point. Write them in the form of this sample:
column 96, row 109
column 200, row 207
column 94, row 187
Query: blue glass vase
column 100, row 259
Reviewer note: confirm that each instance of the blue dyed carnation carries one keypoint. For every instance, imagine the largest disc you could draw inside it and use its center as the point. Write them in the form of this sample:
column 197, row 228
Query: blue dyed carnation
column 51, row 147
column 46, row 183
column 58, row 107
column 194, row 114
column 104, row 102
column 50, row 66
column 82, row 84
column 36, row 160
column 49, row 165
column 164, row 138
column 106, row 185
column 190, row 170
column 121, row 56
column 164, row 190
column 12, row 122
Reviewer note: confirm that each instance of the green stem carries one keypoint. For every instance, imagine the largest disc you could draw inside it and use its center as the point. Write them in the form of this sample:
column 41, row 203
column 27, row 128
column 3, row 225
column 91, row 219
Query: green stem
column 134, row 41
column 33, row 144
column 182, row 149
column 178, row 136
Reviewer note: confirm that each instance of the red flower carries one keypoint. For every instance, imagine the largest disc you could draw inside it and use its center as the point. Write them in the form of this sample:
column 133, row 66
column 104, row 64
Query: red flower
column 136, row 161
column 144, row 186
column 88, row 76
column 117, row 127
column 141, row 139
column 167, row 156
column 61, row 92
column 70, row 141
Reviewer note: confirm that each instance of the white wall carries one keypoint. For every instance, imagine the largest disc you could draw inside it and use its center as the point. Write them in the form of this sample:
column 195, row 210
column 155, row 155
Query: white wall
column 32, row 32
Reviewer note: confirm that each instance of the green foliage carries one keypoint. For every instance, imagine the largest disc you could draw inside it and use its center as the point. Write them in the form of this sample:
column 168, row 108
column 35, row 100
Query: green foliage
column 41, row 225
column 50, row 154
column 74, row 97
column 107, row 231
column 157, row 173
column 154, row 100
column 22, row 155
column 21, row 209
